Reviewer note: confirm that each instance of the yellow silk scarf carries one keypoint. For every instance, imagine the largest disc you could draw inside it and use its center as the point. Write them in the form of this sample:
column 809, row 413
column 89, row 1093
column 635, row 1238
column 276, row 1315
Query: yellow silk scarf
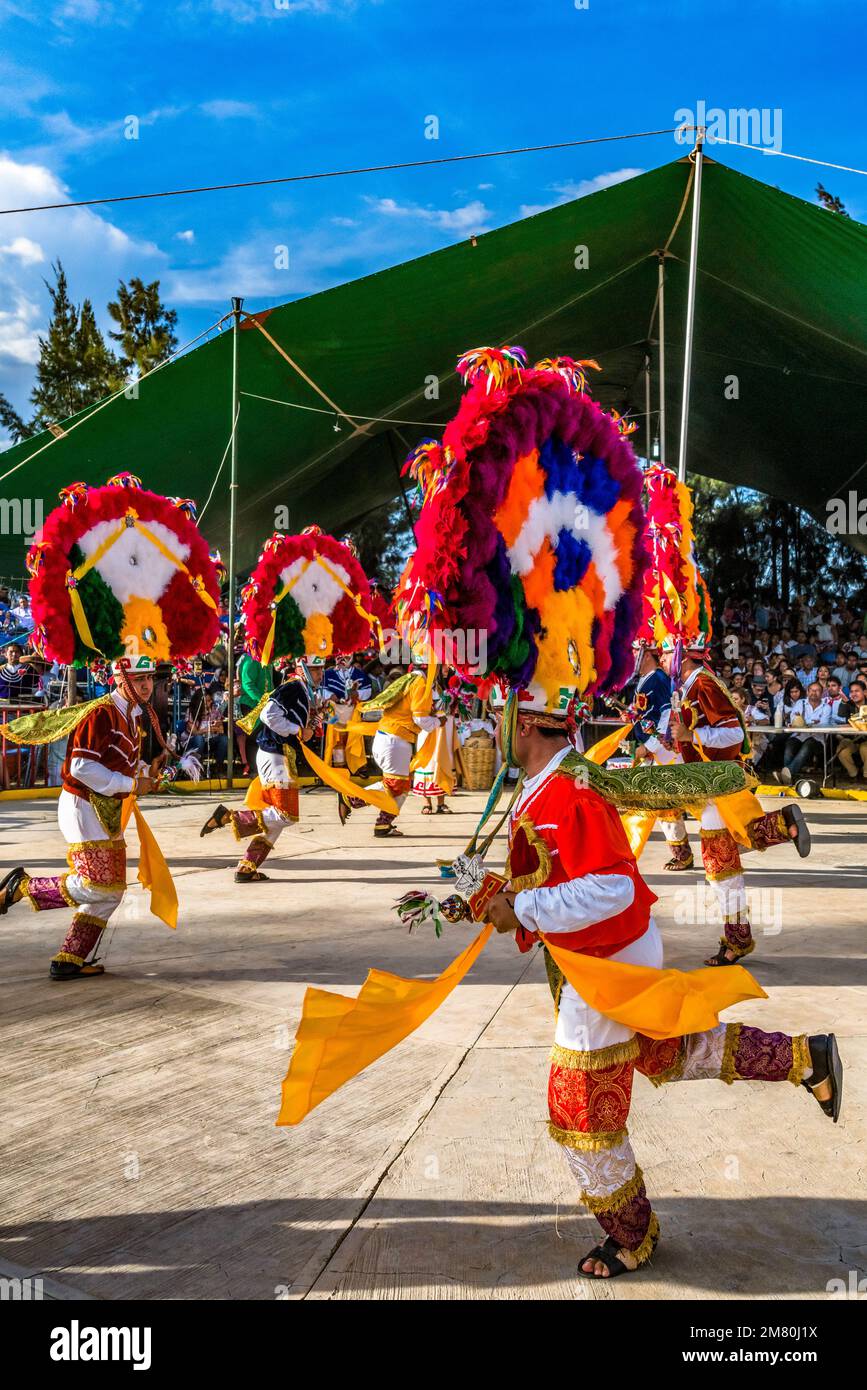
column 338, row 1037
column 153, row 871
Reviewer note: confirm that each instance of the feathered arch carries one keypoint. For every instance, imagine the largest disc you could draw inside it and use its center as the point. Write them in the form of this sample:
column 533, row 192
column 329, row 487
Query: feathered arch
column 120, row 570
column 307, row 595
column 531, row 529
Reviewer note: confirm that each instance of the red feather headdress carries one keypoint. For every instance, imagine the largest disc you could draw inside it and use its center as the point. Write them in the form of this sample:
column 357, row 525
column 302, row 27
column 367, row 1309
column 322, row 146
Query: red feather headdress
column 119, row 571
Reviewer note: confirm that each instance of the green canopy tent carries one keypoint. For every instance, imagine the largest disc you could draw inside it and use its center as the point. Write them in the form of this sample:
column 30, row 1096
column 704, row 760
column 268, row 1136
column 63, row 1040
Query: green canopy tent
column 779, row 373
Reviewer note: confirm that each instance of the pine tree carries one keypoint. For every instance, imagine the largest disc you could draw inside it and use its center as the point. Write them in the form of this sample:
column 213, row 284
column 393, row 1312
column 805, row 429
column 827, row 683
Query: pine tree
column 99, row 369
column 57, row 393
column 11, row 422
column 145, row 326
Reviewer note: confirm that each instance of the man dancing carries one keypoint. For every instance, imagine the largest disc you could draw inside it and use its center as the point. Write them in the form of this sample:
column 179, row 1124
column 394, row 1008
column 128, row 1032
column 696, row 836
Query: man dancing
column 708, row 727
column 284, row 725
column 574, row 878
column 651, row 709
column 101, row 768
column 406, row 705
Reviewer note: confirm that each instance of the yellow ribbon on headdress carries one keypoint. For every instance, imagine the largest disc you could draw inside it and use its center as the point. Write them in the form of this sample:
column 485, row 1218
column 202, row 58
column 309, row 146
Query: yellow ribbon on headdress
column 153, row 871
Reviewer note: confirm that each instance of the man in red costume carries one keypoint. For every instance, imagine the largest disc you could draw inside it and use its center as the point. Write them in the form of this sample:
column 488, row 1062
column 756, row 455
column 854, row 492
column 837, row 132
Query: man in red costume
column 101, row 768
column 706, row 726
column 574, row 878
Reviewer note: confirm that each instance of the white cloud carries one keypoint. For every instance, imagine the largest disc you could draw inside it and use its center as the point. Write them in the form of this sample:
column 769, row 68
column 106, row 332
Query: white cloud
column 94, row 252
column 472, row 217
column 188, row 235
column 225, row 109
column 27, row 251
column 345, row 221
column 566, row 192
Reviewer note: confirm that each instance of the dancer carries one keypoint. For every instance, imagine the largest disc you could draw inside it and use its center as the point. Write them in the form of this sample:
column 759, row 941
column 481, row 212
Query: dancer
column 573, row 878
column 650, row 711
column 306, row 600
column 527, row 446
column 117, row 568
column 406, row 705
column 284, row 725
column 708, row 727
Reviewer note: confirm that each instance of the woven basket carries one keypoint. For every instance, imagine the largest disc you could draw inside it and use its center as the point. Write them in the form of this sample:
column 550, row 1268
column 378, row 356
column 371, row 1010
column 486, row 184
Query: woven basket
column 479, row 758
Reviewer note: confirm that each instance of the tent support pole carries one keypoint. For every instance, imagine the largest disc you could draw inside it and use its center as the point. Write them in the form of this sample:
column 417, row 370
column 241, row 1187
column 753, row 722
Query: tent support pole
column 648, row 430
column 690, row 304
column 233, row 493
column 395, row 458
column 661, row 298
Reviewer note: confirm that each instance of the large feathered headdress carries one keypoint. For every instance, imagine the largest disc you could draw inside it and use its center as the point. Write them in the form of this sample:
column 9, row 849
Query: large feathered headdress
column 675, row 603
column 530, row 534
column 307, row 596
column 121, row 572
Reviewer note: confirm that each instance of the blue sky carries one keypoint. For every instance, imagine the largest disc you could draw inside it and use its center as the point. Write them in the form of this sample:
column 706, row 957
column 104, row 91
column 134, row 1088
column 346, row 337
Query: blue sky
column 224, row 90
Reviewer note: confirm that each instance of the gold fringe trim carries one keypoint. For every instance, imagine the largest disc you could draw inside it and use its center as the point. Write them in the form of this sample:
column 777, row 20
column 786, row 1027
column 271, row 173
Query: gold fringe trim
column 590, row 1141
column 617, row 1199
column 644, row 1253
column 720, row 878
column 596, row 1060
column 535, row 840
column 713, row 834
column 728, row 1071
column 26, row 894
column 738, row 953
column 67, row 957
column 802, row 1062
column 672, row 1073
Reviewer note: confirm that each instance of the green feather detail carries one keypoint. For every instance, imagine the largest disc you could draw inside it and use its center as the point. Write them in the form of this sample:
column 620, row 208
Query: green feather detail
column 288, row 629
column 104, row 615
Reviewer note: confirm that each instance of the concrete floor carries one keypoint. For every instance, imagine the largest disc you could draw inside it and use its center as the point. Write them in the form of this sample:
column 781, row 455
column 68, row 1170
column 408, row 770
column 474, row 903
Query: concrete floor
column 139, row 1149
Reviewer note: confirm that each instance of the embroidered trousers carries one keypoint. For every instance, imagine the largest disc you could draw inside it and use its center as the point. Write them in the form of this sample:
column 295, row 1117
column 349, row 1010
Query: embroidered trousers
column 95, row 883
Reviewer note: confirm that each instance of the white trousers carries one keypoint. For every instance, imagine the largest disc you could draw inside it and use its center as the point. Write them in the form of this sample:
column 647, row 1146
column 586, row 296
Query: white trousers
column 584, row 1029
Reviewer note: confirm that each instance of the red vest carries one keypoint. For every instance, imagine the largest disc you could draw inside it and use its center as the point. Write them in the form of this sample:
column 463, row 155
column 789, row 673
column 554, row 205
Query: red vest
column 707, row 705
column 108, row 737
column 563, row 831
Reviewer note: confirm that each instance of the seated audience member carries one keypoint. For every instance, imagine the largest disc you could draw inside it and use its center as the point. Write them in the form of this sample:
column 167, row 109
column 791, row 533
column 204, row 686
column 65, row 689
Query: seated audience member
column 801, row 748
column 19, row 678
column 853, row 750
column 206, row 737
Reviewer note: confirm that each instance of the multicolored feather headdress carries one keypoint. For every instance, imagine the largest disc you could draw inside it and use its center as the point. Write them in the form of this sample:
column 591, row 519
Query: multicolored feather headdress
column 307, row 596
column 119, row 572
column 530, row 536
column 675, row 603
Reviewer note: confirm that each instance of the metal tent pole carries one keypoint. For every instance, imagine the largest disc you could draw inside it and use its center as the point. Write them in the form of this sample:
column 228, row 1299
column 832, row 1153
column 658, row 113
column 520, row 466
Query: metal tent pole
column 690, row 303
column 648, row 428
column 661, row 298
column 237, row 305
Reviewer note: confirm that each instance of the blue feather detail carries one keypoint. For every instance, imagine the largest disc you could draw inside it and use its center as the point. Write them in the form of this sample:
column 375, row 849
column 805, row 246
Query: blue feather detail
column 573, row 557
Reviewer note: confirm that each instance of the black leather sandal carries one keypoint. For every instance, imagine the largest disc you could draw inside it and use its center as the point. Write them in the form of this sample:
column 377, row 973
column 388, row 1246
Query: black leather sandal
column 721, row 958
column 794, row 816
column 252, row 878
column 607, row 1253
column 216, row 820
column 9, row 887
column 826, row 1067
column 68, row 970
